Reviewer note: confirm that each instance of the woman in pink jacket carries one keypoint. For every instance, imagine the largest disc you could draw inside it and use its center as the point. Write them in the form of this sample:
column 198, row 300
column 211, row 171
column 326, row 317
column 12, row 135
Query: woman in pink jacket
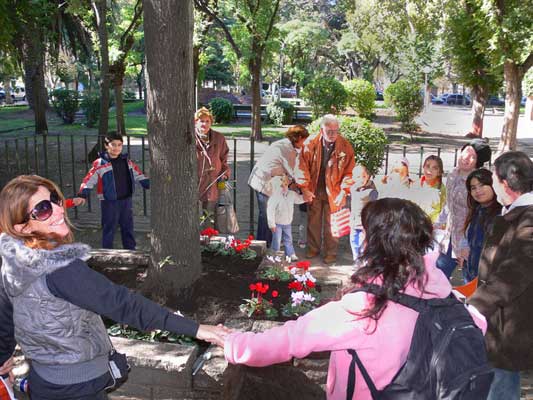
column 398, row 236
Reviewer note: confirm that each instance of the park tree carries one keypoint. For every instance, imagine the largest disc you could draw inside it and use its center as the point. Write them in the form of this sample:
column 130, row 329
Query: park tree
column 129, row 19
column 249, row 27
column 99, row 8
column 170, row 102
column 509, row 41
column 465, row 49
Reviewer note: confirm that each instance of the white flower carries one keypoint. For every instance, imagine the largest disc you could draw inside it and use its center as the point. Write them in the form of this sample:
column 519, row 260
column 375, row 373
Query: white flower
column 308, row 297
column 293, row 270
column 310, row 277
column 287, row 259
column 277, row 259
column 300, row 278
column 297, row 298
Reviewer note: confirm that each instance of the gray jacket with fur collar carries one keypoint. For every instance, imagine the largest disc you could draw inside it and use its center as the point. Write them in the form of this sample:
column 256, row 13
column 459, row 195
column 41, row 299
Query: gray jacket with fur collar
column 51, row 331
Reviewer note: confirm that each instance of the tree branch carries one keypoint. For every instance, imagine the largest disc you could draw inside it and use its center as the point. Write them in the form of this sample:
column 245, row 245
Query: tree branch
column 528, row 63
column 202, row 6
column 271, row 25
column 134, row 24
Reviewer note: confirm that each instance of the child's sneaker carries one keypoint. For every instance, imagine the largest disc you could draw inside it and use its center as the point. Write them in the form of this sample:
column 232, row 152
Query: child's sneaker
column 294, row 257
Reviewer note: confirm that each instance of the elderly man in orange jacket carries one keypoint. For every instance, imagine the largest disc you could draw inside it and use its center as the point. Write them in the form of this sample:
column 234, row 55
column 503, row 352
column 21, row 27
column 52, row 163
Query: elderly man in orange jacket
column 324, row 176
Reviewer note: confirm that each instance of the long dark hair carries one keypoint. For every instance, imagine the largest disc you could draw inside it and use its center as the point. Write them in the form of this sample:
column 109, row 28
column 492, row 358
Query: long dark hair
column 438, row 160
column 398, row 234
column 484, row 176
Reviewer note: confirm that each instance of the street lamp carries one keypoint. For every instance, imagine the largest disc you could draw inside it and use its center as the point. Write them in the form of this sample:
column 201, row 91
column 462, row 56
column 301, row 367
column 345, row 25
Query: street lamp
column 426, row 70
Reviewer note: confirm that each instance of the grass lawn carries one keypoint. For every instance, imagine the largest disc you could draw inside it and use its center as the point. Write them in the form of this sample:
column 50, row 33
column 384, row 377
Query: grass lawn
column 14, row 118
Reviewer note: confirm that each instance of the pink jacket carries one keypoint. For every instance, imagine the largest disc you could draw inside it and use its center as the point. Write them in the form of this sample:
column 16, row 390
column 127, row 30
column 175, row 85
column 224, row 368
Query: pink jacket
column 334, row 327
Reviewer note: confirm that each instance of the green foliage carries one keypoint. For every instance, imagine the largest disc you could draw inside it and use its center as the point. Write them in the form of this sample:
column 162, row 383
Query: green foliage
column 259, row 307
column 361, row 95
column 222, row 109
column 225, row 249
column 368, row 141
column 128, row 95
column 291, row 310
column 91, row 108
column 280, row 113
column 406, row 100
column 152, row 336
column 527, row 84
column 275, row 273
column 65, row 103
column 325, row 95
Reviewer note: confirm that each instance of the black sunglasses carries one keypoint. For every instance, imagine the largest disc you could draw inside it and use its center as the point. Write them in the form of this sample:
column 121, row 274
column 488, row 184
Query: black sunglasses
column 44, row 209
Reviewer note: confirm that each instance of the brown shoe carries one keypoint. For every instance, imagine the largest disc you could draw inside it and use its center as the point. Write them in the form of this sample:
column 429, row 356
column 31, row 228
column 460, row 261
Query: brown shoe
column 330, row 259
column 311, row 253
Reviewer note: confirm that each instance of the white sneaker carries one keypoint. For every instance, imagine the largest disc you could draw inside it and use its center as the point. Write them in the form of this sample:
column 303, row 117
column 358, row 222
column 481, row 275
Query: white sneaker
column 294, row 257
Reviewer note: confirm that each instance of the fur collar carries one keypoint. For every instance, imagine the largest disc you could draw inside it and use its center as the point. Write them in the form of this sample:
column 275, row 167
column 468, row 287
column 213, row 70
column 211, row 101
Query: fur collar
column 21, row 265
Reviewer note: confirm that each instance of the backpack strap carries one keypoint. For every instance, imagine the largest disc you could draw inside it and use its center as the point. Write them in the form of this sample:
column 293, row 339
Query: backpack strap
column 351, row 377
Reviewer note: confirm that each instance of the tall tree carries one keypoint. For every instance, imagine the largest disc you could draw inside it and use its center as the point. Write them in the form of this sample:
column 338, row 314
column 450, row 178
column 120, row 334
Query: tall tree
column 168, row 27
column 100, row 14
column 510, row 42
column 117, row 69
column 249, row 28
column 466, row 50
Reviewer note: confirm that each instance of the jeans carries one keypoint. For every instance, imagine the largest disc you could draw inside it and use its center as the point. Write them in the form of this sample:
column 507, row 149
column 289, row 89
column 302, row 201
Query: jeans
column 505, row 386
column 285, row 232
column 117, row 212
column 446, row 263
column 263, row 231
column 356, row 241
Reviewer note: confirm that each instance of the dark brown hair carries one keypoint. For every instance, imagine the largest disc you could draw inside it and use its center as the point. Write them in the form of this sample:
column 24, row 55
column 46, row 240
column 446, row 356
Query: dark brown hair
column 438, row 160
column 14, row 202
column 484, row 176
column 398, row 234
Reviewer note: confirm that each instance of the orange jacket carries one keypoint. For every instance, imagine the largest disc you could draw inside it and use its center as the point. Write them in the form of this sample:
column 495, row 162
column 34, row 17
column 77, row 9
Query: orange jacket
column 338, row 170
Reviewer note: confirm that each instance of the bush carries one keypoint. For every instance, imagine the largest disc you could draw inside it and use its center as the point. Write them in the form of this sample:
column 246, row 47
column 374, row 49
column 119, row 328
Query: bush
column 128, row 95
column 361, row 95
column 91, row 108
column 368, row 141
column 280, row 112
column 325, row 95
column 222, row 109
column 65, row 103
column 406, row 100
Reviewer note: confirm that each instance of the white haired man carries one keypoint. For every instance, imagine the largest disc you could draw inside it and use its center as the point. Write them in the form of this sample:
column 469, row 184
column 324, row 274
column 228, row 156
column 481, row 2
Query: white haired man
column 325, row 173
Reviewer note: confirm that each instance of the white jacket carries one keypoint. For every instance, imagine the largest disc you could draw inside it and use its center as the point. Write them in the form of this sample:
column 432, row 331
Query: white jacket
column 280, row 207
column 278, row 159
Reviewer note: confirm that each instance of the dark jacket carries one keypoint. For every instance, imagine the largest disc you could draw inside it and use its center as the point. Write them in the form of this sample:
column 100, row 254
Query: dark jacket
column 101, row 176
column 505, row 292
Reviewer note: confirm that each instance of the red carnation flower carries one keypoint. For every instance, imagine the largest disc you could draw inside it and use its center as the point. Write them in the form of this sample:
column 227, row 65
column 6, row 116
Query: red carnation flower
column 303, row 265
column 252, row 287
column 275, row 293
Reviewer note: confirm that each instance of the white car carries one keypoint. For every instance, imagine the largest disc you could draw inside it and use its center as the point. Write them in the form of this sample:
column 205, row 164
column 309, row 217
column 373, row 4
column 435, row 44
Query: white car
column 18, row 93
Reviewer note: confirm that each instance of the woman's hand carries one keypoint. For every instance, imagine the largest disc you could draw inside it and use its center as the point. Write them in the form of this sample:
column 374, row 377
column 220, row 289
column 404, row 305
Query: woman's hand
column 213, row 334
column 7, row 368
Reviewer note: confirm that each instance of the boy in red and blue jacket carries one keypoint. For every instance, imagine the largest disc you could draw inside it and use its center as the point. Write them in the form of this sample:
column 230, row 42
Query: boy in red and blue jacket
column 114, row 175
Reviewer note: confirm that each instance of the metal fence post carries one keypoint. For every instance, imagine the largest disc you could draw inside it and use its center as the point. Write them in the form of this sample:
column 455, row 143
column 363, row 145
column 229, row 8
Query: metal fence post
column 252, row 157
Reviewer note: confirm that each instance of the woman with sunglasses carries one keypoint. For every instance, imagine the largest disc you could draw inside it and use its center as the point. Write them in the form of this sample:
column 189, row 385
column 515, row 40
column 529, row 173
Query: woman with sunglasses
column 51, row 301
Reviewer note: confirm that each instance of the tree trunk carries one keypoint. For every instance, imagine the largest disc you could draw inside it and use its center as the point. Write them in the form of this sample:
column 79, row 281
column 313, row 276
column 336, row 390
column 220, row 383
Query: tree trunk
column 33, row 52
column 7, row 89
column 117, row 71
column 100, row 10
column 255, row 69
column 479, row 100
column 513, row 79
column 170, row 100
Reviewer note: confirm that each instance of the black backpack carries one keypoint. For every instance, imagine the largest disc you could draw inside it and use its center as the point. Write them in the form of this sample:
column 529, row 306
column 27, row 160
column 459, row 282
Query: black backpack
column 447, row 358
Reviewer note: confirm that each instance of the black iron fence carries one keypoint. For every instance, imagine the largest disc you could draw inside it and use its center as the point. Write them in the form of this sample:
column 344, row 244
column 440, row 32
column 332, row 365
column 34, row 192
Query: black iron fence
column 66, row 158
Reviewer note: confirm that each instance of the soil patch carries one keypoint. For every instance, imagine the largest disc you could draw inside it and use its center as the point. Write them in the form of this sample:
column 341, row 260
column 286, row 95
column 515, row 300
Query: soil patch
column 217, row 294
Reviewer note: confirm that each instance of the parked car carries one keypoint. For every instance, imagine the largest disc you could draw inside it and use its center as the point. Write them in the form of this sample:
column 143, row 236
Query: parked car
column 379, row 94
column 2, row 95
column 456, row 98
column 523, row 101
column 18, row 93
column 436, row 99
column 495, row 101
column 288, row 92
